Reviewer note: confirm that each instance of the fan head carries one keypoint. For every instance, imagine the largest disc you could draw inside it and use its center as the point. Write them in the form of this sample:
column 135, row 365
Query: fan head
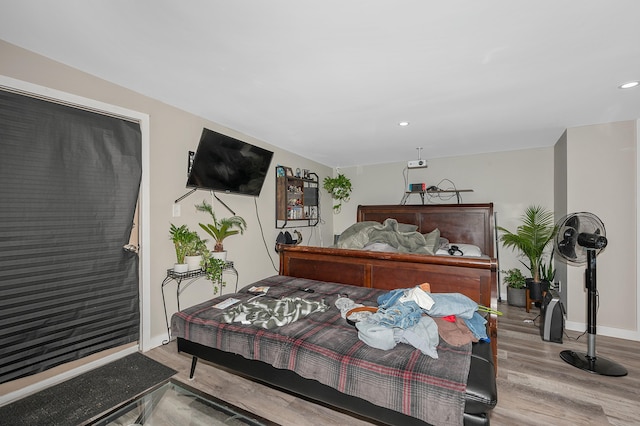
column 578, row 233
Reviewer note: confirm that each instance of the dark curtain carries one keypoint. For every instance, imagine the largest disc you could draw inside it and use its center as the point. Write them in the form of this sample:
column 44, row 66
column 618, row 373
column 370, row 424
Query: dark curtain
column 69, row 181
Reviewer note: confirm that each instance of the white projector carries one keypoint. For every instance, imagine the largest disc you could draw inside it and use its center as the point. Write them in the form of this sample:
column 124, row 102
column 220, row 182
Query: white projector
column 416, row 164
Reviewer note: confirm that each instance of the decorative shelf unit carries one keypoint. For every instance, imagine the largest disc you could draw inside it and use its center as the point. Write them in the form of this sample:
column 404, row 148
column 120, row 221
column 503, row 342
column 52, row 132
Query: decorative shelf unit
column 434, row 192
column 297, row 199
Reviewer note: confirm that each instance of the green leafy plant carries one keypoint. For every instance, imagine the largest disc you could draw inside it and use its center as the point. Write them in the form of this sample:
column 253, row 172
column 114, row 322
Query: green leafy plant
column 213, row 268
column 184, row 241
column 547, row 272
column 532, row 238
column 339, row 188
column 196, row 247
column 223, row 228
column 514, row 278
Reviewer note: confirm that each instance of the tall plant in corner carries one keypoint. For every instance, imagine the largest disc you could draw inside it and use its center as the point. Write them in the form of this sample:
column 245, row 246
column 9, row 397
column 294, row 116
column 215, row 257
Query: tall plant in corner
column 532, row 238
column 220, row 229
column 339, row 188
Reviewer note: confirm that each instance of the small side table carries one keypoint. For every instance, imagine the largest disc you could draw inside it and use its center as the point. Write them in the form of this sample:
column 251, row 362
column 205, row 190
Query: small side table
column 187, row 278
column 530, row 300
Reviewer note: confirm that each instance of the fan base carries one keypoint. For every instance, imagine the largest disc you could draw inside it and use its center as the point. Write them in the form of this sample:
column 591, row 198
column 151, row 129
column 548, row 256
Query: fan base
column 595, row 365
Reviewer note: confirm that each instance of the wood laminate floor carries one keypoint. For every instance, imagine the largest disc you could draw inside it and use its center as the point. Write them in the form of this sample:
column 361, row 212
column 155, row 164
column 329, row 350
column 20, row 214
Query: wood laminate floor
column 535, row 387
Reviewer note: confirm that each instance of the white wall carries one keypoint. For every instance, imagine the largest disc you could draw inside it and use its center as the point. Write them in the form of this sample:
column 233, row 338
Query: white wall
column 511, row 180
column 601, row 179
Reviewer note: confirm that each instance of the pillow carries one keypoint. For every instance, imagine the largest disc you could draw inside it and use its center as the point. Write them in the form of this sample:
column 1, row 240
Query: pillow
column 380, row 247
column 432, row 241
column 468, row 250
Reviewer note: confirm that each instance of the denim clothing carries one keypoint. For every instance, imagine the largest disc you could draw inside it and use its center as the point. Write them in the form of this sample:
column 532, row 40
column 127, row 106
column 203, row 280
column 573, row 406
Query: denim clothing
column 477, row 326
column 376, row 335
column 390, row 298
column 452, row 304
column 422, row 336
column 401, row 315
column 402, row 320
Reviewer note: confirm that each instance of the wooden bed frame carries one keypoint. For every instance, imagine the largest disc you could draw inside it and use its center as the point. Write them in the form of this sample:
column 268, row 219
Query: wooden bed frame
column 459, row 223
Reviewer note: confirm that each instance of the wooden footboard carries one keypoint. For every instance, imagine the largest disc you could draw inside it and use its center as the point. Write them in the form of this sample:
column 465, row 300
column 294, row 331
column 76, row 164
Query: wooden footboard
column 473, row 277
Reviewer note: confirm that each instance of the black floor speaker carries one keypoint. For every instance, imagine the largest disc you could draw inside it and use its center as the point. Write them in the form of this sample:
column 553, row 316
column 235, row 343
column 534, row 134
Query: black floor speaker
column 552, row 317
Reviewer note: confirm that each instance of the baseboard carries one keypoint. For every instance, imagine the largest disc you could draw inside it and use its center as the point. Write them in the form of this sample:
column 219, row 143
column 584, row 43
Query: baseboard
column 156, row 341
column 605, row 331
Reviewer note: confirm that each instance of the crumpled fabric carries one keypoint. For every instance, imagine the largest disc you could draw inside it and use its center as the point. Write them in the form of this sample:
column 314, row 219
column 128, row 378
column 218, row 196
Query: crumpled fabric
column 477, row 325
column 344, row 305
column 272, row 313
column 401, row 315
column 391, row 298
column 401, row 319
column 402, row 237
column 454, row 333
column 418, row 295
column 452, row 304
column 423, row 336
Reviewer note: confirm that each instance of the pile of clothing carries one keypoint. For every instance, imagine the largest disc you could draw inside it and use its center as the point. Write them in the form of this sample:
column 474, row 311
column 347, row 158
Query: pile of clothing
column 419, row 318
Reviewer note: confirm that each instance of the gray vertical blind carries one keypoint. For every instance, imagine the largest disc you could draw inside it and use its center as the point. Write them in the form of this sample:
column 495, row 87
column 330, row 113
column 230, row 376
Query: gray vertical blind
column 69, row 182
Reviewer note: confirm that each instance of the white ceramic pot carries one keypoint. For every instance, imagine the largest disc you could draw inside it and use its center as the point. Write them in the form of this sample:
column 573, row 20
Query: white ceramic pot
column 180, row 268
column 193, row 262
column 222, row 255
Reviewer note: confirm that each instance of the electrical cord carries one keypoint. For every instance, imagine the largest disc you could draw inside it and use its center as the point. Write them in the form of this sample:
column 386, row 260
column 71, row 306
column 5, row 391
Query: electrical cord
column 585, row 332
column 255, row 203
column 443, row 197
column 532, row 321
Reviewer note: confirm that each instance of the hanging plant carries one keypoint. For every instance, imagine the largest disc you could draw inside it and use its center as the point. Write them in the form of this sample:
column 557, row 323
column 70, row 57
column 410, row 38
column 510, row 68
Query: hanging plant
column 339, row 188
column 213, row 268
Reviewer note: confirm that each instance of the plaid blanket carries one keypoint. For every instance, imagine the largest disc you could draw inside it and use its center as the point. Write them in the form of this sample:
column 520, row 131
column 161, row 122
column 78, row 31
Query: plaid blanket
column 324, row 347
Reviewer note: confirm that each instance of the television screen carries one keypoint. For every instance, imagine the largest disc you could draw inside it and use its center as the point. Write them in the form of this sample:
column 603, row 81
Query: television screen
column 224, row 164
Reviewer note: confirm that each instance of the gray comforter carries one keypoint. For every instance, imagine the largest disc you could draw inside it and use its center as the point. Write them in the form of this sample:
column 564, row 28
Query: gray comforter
column 402, row 238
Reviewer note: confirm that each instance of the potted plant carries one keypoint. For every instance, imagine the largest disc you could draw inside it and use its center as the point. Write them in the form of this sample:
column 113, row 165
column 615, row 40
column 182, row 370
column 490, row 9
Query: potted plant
column 531, row 239
column 213, row 267
column 182, row 238
column 516, row 287
column 196, row 248
column 221, row 229
column 339, row 188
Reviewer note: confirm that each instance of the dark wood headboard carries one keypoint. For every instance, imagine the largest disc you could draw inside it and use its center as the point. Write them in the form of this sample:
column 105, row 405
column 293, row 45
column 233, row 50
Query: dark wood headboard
column 459, row 223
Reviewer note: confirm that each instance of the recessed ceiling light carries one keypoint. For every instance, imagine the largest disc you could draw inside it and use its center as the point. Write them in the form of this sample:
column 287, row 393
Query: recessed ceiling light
column 629, row 85
column 403, row 123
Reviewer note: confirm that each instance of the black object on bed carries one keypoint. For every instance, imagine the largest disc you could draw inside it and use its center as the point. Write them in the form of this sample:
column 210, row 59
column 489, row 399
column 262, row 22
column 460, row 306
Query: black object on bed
column 320, row 357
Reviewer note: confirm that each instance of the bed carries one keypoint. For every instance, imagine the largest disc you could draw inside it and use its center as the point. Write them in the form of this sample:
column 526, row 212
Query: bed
column 475, row 277
column 364, row 275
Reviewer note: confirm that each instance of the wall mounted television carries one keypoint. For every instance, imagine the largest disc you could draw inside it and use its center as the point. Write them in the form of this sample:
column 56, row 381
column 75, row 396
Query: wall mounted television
column 225, row 164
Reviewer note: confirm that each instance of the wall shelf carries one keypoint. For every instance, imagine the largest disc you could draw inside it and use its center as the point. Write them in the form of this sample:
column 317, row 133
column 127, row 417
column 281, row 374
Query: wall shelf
column 297, row 199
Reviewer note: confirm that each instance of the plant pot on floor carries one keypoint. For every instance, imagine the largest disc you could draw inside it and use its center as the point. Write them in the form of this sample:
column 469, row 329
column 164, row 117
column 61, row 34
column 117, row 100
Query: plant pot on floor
column 537, row 288
column 517, row 296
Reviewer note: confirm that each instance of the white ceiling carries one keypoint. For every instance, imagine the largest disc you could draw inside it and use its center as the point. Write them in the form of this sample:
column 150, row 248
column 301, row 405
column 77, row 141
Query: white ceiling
column 331, row 79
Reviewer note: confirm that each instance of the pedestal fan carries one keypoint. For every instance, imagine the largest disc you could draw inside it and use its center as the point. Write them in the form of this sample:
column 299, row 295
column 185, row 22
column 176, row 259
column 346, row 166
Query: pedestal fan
column 581, row 236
